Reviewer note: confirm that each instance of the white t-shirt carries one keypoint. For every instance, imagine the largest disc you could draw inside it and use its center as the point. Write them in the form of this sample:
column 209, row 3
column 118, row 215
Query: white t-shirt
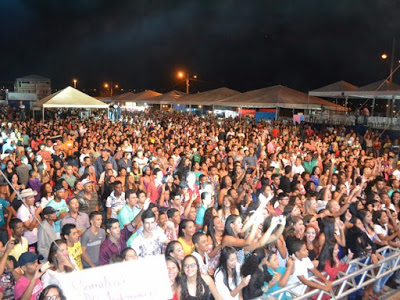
column 222, row 288
column 115, row 204
column 145, row 247
column 203, row 265
column 396, row 173
column 378, row 229
column 297, row 169
column 24, row 215
column 301, row 268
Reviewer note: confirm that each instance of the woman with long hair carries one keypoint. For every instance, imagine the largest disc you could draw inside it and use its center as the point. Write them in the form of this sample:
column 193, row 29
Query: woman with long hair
column 228, row 208
column 215, row 232
column 310, row 206
column 311, row 240
column 60, row 262
column 47, row 194
column 329, row 261
column 186, row 230
column 174, row 270
column 227, row 275
column 175, row 250
column 193, row 284
column 332, row 231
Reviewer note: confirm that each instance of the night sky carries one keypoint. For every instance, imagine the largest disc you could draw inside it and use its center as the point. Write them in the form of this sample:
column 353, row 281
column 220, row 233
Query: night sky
column 243, row 45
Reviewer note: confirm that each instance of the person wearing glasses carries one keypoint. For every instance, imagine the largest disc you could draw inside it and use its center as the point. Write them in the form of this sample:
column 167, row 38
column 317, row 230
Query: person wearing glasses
column 195, row 285
column 52, row 292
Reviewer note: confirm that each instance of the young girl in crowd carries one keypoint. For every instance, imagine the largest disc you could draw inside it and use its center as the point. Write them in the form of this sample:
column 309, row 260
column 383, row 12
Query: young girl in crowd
column 194, row 285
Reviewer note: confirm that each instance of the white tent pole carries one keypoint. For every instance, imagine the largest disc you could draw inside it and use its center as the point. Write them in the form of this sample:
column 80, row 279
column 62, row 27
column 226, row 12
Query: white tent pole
column 43, row 113
column 373, row 107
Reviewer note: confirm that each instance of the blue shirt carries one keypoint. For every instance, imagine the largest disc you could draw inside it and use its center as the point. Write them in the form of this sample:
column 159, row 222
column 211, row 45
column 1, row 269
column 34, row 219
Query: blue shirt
column 60, row 207
column 276, row 286
column 3, row 204
column 127, row 214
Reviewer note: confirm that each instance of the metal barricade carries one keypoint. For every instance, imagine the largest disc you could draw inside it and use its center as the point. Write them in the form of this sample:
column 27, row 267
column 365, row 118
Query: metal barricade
column 346, row 282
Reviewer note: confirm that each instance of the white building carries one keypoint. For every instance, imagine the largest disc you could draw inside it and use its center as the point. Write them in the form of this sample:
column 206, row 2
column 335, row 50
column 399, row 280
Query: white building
column 39, row 85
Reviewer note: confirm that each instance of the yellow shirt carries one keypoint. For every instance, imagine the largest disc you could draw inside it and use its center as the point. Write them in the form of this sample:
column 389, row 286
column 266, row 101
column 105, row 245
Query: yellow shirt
column 188, row 249
column 19, row 248
column 76, row 253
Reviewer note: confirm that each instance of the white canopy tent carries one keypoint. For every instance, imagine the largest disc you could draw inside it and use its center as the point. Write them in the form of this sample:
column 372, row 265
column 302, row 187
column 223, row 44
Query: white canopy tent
column 69, row 98
column 278, row 96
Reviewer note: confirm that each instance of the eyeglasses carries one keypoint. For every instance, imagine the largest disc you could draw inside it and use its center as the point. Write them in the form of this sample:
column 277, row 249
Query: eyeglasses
column 192, row 266
column 54, row 297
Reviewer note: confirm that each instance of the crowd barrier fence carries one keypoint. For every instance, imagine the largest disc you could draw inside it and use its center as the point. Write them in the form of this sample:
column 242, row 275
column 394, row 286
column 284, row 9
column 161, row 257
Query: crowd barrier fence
column 359, row 274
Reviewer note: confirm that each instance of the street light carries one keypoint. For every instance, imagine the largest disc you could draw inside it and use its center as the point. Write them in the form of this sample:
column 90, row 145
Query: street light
column 187, row 79
column 75, row 82
column 106, row 86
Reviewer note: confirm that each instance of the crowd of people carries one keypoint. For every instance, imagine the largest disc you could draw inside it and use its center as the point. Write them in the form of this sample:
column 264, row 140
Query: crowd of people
column 238, row 209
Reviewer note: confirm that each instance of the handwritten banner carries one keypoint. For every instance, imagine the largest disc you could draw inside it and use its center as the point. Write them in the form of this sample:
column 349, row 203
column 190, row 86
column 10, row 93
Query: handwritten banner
column 145, row 278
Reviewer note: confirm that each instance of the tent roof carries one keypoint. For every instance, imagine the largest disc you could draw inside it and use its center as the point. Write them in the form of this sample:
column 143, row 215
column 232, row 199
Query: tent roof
column 382, row 89
column 208, row 97
column 334, row 90
column 143, row 96
column 278, row 96
column 70, row 97
column 167, row 98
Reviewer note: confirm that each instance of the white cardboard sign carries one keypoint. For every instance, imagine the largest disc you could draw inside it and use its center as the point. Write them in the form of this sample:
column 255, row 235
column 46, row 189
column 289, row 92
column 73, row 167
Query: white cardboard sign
column 145, row 278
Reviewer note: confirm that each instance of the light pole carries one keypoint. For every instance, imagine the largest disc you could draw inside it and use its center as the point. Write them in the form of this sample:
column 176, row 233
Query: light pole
column 106, row 86
column 75, row 81
column 187, row 79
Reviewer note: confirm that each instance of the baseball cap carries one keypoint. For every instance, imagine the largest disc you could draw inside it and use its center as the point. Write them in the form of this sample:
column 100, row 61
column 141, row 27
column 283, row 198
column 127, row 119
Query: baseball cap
column 86, row 181
column 28, row 257
column 59, row 188
column 48, row 210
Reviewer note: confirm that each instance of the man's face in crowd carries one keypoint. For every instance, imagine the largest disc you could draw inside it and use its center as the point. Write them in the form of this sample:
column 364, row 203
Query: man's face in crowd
column 380, row 185
column 104, row 154
column 97, row 221
column 149, row 225
column 118, row 189
column 115, row 231
column 73, row 237
column 132, row 200
column 73, row 205
column 177, row 200
column 18, row 230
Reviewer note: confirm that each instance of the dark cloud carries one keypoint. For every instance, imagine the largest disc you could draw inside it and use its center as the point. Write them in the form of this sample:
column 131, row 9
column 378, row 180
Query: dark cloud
column 240, row 44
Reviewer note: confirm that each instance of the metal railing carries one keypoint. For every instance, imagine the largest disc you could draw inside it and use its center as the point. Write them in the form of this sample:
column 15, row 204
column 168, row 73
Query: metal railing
column 346, row 282
column 350, row 120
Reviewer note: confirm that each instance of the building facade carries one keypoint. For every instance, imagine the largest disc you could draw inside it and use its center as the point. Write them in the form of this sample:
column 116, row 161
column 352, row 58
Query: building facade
column 33, row 84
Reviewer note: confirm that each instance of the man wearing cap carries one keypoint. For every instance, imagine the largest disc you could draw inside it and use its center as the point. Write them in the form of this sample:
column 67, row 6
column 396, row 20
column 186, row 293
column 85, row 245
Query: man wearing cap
column 79, row 219
column 59, row 205
column 88, row 199
column 29, row 285
column 47, row 231
column 28, row 214
column 103, row 160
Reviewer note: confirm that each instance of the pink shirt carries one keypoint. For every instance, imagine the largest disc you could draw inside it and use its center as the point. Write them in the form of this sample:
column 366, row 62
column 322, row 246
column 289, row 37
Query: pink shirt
column 22, row 284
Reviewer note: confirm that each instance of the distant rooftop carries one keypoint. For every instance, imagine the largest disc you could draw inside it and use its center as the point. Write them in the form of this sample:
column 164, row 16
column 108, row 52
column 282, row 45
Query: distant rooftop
column 34, row 77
